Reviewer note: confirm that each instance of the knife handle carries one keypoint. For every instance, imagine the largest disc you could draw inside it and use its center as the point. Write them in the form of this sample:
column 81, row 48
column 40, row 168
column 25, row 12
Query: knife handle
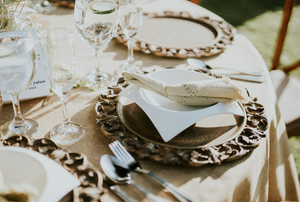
column 182, row 197
column 147, row 194
column 120, row 193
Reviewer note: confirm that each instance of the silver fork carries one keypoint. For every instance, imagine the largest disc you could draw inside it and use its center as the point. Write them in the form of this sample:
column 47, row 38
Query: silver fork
column 123, row 155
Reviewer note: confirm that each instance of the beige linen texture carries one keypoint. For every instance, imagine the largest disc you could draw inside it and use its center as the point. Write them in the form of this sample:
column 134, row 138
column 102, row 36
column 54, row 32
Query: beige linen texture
column 195, row 93
column 266, row 174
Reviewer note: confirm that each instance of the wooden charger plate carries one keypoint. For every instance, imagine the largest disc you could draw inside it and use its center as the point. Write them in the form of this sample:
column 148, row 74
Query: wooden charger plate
column 207, row 132
column 135, row 133
column 179, row 35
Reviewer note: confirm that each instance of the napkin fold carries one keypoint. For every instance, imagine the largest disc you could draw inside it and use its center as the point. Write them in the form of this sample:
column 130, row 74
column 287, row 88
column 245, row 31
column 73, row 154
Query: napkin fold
column 194, row 93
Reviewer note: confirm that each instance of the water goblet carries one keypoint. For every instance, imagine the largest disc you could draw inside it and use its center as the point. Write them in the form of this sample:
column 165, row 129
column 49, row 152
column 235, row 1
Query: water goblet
column 130, row 19
column 96, row 22
column 17, row 69
column 60, row 63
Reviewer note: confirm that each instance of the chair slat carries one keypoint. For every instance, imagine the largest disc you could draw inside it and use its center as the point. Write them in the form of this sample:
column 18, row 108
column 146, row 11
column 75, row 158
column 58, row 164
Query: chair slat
column 287, row 12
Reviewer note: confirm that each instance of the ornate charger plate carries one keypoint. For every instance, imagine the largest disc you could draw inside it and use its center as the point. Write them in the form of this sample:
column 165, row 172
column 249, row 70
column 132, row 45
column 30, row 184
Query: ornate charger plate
column 246, row 141
column 76, row 163
column 179, row 35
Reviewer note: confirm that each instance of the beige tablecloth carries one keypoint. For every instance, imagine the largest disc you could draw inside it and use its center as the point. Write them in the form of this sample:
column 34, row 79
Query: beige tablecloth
column 267, row 174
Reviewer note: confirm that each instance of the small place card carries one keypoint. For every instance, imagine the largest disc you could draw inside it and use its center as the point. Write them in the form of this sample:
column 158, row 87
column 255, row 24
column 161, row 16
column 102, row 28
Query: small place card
column 39, row 86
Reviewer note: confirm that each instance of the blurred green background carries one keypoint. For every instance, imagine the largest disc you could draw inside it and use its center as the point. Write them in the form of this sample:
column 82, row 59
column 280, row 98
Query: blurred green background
column 260, row 21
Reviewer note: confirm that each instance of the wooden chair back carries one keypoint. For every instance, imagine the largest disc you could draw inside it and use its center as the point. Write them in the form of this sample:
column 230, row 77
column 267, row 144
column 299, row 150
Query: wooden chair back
column 287, row 12
column 196, row 1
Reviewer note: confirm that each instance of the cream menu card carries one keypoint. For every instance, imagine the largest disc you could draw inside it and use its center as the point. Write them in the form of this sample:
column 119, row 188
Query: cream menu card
column 39, row 87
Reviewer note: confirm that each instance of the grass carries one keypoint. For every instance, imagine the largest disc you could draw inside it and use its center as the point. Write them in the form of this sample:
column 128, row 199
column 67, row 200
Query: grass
column 260, row 21
column 295, row 147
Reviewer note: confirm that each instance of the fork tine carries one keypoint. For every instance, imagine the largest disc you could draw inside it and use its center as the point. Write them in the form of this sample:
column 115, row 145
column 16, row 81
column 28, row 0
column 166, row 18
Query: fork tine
column 121, row 149
column 125, row 152
column 121, row 152
column 112, row 148
column 118, row 153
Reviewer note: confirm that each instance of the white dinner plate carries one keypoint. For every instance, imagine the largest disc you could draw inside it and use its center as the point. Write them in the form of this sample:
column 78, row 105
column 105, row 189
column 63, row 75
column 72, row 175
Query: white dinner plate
column 23, row 165
column 168, row 117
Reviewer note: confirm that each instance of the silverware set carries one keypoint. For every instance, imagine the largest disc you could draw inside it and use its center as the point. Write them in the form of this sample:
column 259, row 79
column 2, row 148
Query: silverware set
column 245, row 75
column 118, row 171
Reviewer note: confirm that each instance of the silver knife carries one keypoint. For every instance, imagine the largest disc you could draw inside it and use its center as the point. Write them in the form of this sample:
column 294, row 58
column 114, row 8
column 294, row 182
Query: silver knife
column 243, row 77
column 205, row 67
column 118, row 191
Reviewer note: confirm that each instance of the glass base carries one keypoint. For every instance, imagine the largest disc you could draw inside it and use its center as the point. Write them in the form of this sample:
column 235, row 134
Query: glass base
column 67, row 135
column 129, row 68
column 27, row 128
column 100, row 80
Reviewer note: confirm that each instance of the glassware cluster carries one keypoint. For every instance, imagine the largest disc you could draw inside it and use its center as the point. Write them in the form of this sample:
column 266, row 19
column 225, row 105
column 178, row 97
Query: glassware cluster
column 96, row 22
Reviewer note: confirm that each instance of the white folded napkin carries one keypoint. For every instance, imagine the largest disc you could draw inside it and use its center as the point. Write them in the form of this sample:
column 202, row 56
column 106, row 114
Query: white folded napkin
column 195, row 93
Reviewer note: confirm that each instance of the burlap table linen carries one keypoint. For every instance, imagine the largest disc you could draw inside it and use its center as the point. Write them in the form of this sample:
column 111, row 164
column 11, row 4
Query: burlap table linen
column 194, row 93
column 266, row 174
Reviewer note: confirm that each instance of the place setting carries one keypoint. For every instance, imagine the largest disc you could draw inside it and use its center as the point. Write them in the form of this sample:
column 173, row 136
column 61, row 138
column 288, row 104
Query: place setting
column 175, row 117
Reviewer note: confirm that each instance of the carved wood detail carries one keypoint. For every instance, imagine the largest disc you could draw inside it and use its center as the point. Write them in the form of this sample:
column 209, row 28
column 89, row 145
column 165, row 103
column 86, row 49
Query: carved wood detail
column 234, row 149
column 76, row 163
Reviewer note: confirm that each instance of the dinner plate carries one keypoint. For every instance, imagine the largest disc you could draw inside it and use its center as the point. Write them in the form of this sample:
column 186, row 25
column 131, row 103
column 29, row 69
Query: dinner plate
column 180, row 35
column 23, row 165
column 159, row 119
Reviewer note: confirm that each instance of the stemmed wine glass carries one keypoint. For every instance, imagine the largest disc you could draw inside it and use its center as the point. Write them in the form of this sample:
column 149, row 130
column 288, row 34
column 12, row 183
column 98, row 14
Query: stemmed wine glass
column 60, row 63
column 17, row 69
column 130, row 19
column 96, row 22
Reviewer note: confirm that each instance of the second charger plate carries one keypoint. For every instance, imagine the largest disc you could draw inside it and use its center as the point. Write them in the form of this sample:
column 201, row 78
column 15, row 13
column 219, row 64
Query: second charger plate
column 180, row 35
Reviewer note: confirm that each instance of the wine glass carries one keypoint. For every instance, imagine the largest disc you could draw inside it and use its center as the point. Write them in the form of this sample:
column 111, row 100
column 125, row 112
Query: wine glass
column 96, row 22
column 130, row 19
column 18, row 66
column 60, row 63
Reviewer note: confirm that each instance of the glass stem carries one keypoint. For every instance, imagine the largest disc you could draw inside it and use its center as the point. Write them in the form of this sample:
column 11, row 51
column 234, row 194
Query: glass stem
column 98, row 70
column 18, row 119
column 130, row 57
column 63, row 99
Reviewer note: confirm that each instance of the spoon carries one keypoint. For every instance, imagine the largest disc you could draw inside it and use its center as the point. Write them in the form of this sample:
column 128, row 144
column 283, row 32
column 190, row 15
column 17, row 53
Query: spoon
column 201, row 65
column 113, row 168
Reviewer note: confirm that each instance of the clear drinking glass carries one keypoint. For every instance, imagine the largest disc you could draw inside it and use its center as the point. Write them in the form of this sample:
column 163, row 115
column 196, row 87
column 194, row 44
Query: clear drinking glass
column 60, row 63
column 130, row 19
column 96, row 22
column 17, row 69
